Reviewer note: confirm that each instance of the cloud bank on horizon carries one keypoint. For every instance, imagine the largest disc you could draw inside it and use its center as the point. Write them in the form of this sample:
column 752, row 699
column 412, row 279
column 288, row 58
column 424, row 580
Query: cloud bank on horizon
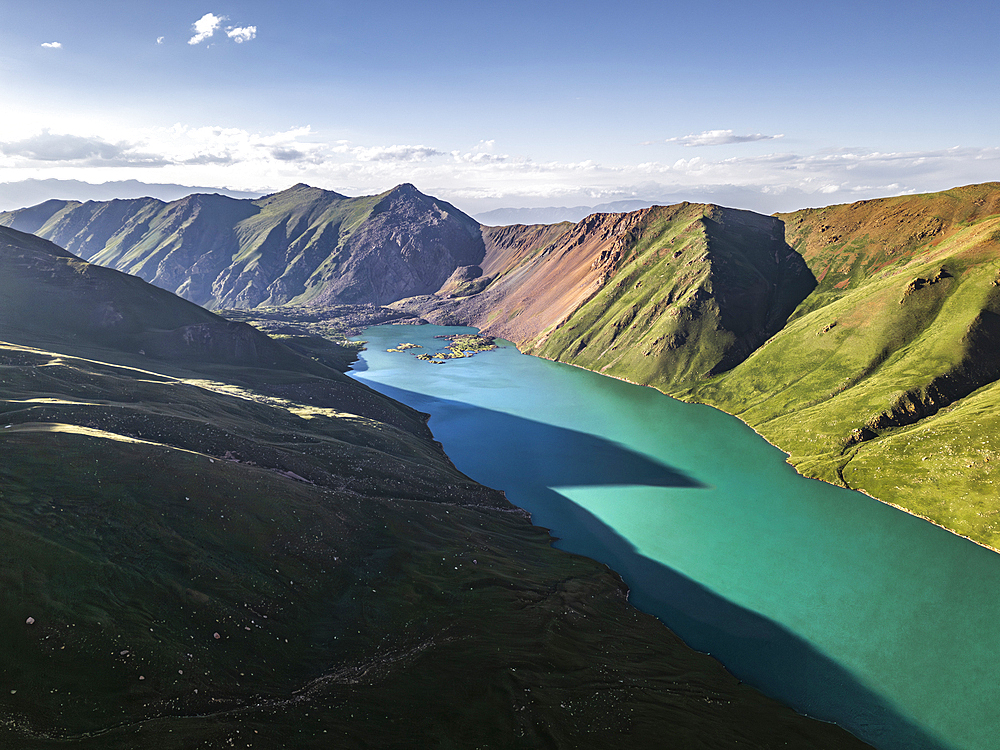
column 478, row 177
column 361, row 97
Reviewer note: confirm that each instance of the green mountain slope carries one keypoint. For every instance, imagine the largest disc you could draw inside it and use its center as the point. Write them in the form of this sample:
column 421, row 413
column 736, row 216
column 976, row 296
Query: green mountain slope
column 664, row 296
column 208, row 540
column 300, row 245
column 885, row 378
column 692, row 294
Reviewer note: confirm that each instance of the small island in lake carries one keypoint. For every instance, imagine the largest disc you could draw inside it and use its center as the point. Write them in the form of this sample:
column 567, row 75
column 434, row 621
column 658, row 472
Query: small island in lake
column 462, row 345
column 404, row 347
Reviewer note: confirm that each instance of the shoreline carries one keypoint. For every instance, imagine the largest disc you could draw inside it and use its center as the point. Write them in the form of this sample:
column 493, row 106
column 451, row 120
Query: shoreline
column 626, row 588
column 778, row 447
column 755, row 431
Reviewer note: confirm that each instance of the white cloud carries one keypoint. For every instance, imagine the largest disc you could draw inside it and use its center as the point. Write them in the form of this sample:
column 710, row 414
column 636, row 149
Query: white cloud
column 240, row 35
column 48, row 146
column 395, row 153
column 478, row 157
column 52, row 45
column 205, row 27
column 720, row 138
column 287, row 154
column 481, row 153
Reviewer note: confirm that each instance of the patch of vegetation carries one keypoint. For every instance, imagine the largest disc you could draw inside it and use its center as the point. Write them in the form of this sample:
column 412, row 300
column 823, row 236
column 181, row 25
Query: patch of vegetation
column 461, row 346
column 886, row 383
column 337, row 323
column 470, row 343
column 405, row 347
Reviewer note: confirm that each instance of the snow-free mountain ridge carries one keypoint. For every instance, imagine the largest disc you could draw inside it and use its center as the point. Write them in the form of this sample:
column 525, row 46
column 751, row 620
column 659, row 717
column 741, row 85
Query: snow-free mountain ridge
column 854, row 337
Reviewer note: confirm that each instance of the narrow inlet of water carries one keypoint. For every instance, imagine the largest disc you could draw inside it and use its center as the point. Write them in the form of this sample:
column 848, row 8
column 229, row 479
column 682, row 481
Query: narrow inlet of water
column 838, row 605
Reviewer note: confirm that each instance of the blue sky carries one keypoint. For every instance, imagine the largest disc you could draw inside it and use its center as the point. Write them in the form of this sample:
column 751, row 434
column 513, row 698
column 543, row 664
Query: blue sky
column 765, row 105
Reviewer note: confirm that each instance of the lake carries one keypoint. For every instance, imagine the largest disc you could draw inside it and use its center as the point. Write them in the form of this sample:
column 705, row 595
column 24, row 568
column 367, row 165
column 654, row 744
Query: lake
column 840, row 606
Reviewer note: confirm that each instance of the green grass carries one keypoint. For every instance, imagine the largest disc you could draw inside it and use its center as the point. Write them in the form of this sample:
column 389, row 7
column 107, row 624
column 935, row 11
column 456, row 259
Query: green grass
column 885, row 383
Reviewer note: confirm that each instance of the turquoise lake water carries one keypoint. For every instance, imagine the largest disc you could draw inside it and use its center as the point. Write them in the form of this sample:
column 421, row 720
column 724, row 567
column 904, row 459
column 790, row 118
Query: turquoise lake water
column 843, row 607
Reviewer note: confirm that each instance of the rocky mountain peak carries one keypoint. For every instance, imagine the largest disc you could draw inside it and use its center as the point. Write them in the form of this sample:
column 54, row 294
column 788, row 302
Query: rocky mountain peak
column 302, row 191
column 405, row 188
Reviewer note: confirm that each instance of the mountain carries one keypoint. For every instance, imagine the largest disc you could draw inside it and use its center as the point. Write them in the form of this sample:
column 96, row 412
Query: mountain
column 297, row 246
column 848, row 335
column 209, row 540
column 887, row 378
column 555, row 214
column 665, row 296
column 15, row 195
column 863, row 339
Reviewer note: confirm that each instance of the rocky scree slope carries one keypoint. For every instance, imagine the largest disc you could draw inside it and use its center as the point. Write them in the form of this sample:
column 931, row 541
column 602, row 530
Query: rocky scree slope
column 300, row 245
column 219, row 542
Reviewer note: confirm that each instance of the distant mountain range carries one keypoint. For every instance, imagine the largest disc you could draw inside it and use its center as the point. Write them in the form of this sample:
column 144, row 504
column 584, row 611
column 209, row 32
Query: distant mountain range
column 23, row 193
column 739, row 196
column 302, row 245
column 555, row 214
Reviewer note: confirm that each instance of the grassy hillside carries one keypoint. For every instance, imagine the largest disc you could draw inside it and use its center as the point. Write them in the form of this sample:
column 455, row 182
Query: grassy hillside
column 222, row 543
column 691, row 293
column 885, row 378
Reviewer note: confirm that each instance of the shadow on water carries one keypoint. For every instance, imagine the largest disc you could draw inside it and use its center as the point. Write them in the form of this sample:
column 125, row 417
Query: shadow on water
column 527, row 458
column 550, row 456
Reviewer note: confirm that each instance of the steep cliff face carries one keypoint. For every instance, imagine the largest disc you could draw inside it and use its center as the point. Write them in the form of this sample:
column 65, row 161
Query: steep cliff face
column 663, row 296
column 298, row 246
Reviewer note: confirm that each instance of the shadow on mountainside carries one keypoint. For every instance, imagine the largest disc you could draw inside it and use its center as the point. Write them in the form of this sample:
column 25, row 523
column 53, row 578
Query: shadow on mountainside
column 526, row 459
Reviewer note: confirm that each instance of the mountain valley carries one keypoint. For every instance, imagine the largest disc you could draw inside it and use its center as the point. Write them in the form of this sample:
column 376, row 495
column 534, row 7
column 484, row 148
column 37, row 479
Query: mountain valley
column 862, row 339
column 853, row 337
column 211, row 539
